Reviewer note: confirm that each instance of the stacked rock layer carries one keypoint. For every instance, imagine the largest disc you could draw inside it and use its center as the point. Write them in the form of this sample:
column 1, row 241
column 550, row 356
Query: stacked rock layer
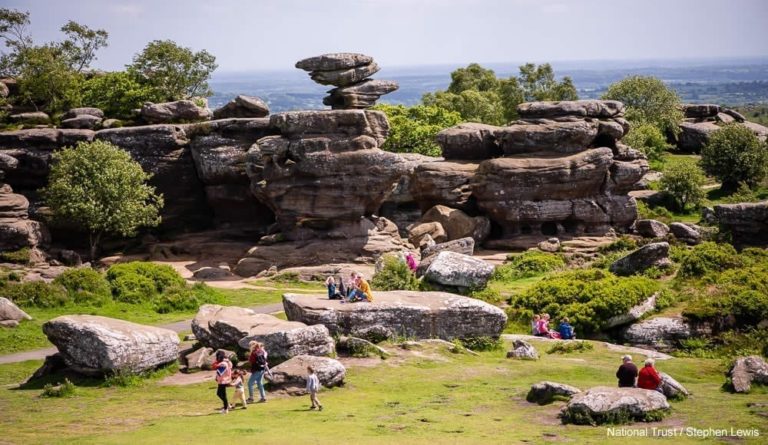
column 701, row 120
column 349, row 73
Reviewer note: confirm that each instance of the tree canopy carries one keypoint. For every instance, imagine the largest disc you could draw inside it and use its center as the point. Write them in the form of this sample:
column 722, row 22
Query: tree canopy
column 733, row 155
column 648, row 101
column 413, row 129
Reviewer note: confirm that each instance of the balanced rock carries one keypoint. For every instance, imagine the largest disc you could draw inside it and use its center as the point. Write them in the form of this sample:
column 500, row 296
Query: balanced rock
column 748, row 370
column 746, row 222
column 334, row 61
column 650, row 255
column 603, row 404
column 545, row 392
column 523, row 350
column 406, row 313
column 291, row 375
column 346, row 76
column 173, row 112
column 242, row 107
column 225, row 326
column 359, row 96
column 650, row 228
column 457, row 270
column 94, row 345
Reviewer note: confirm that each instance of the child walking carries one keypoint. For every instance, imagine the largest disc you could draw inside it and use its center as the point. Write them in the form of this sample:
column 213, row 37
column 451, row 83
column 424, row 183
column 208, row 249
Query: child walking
column 237, row 381
column 313, row 386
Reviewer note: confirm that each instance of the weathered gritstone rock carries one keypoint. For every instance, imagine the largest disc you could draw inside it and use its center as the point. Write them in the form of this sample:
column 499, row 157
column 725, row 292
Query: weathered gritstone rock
column 650, row 255
column 31, row 118
column 291, row 375
column 17, row 231
column 700, row 110
column 434, row 230
column 458, row 224
column 333, row 61
column 650, row 228
column 465, row 246
column 687, row 233
column 359, row 96
column 694, row 135
column 174, row 112
column 10, row 312
column 701, row 120
column 558, row 137
column 444, row 183
column 746, row 222
column 671, row 388
column 635, row 313
column 84, row 121
column 225, row 326
column 407, row 313
column 469, row 141
column 242, row 107
column 543, row 393
column 661, row 333
column 95, row 345
column 457, row 270
column 604, row 404
column 523, row 350
column 748, row 370
column 83, row 111
column 604, row 109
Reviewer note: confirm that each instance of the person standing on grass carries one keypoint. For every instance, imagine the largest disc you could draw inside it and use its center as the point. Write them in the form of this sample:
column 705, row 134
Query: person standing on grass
column 258, row 362
column 223, row 369
column 313, row 386
column 627, row 373
column 237, row 382
column 649, row 378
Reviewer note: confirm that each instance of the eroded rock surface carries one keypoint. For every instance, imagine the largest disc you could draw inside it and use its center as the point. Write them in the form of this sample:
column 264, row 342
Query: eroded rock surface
column 602, row 404
column 291, row 375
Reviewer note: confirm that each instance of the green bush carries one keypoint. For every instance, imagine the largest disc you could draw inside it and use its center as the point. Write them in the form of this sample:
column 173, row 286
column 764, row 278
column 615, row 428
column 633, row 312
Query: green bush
column 648, row 139
column 413, row 129
column 734, row 154
column 66, row 389
column 657, row 213
column 186, row 298
column 683, row 180
column 588, row 297
column 708, row 257
column 738, row 298
column 395, row 275
column 36, row 294
column 85, row 286
column 482, row 343
column 622, row 244
column 567, row 347
column 138, row 281
column 20, row 256
column 528, row 264
column 116, row 93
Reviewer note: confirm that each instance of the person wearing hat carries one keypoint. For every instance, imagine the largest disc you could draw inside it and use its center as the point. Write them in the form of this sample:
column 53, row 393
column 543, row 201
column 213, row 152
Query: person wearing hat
column 649, row 377
column 627, row 372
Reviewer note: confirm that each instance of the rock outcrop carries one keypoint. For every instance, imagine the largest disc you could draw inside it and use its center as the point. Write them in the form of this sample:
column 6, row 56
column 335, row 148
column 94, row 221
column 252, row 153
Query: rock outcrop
column 291, row 375
column 748, row 370
column 458, row 224
column 543, row 393
column 650, row 255
column 10, row 314
column 701, row 120
column 349, row 73
column 16, row 229
column 650, row 228
column 242, row 107
column 180, row 111
column 456, row 270
column 746, row 222
column 604, row 404
column 687, row 233
column 661, row 333
column 95, row 345
column 407, row 313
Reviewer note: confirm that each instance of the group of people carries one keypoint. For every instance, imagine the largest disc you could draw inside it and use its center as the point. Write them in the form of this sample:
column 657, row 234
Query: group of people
column 356, row 288
column 646, row 378
column 227, row 376
column 540, row 328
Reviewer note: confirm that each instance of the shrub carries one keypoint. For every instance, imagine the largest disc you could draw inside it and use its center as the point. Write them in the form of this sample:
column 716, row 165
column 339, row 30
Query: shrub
column 184, row 298
column 85, row 285
column 734, row 154
column 66, row 389
column 648, row 139
column 142, row 281
column 482, row 343
column 742, row 194
column 620, row 245
column 286, row 277
column 657, row 213
column 739, row 298
column 528, row 264
column 117, row 94
column 395, row 275
column 20, row 256
column 37, row 294
column 587, row 297
column 648, row 101
column 413, row 129
column 683, row 180
column 567, row 347
column 708, row 257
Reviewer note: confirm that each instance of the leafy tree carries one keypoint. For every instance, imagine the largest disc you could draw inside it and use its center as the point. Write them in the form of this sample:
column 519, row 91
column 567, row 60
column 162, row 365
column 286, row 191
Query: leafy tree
column 648, row 100
column 683, row 180
column 413, row 129
column 13, row 30
column 99, row 187
column 46, row 80
column 174, row 72
column 648, row 139
column 733, row 155
column 471, row 105
column 538, row 83
column 116, row 93
column 81, row 44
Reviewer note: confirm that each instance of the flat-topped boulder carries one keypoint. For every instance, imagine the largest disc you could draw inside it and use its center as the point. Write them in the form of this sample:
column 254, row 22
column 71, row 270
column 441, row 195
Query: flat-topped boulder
column 700, row 110
column 662, row 333
column 559, row 137
column 546, row 392
column 95, row 345
column 469, row 141
column 408, row 313
column 456, row 270
column 584, row 108
column 603, row 404
column 650, row 255
column 333, row 61
column 360, row 95
column 291, row 375
column 177, row 111
column 226, row 326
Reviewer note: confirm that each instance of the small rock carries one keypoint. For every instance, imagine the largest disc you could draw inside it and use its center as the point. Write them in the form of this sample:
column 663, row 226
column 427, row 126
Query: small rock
column 523, row 350
column 685, row 233
column 650, row 228
column 748, row 370
column 10, row 312
column 458, row 270
column 671, row 388
column 291, row 375
column 650, row 255
column 551, row 245
column 543, row 393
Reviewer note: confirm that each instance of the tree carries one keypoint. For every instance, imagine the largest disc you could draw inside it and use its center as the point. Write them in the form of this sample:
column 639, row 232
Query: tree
column 46, row 80
column 538, row 83
column 99, row 187
column 733, row 155
column 648, row 139
column 81, row 44
column 413, row 129
column 471, row 105
column 683, row 180
column 174, row 72
column 648, row 101
column 13, row 30
column 116, row 93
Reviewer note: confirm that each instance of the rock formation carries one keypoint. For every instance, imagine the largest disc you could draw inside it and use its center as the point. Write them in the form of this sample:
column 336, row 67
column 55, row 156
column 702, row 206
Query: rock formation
column 349, row 73
column 650, row 255
column 523, row 350
column 456, row 270
column 746, row 222
column 545, row 392
column 10, row 314
column 180, row 111
column 661, row 333
column 16, row 229
column 606, row 404
column 291, row 375
column 701, row 120
column 242, row 106
column 748, row 370
column 406, row 313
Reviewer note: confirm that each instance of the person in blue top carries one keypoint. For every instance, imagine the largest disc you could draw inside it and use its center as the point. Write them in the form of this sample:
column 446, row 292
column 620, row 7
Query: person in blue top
column 566, row 330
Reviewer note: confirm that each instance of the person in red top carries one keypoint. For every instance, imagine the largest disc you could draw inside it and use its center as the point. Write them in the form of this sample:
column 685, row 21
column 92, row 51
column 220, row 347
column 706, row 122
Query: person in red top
column 649, row 378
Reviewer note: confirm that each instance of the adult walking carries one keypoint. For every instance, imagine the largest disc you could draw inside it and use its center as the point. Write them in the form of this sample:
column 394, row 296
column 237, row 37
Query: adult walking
column 258, row 362
column 223, row 369
column 627, row 372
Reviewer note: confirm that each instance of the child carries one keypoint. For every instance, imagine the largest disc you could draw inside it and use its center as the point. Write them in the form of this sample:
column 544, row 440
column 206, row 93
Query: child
column 330, row 283
column 223, row 369
column 535, row 325
column 313, row 386
column 237, row 382
column 566, row 330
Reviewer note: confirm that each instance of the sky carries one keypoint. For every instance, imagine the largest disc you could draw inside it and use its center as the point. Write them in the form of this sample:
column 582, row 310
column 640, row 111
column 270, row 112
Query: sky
column 247, row 35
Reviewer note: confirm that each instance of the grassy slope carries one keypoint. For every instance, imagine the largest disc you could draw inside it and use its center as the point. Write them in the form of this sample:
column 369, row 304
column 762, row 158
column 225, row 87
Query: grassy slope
column 454, row 399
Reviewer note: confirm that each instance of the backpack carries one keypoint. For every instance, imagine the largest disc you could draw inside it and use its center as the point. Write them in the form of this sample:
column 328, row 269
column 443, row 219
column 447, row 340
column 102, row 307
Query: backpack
column 566, row 331
column 260, row 363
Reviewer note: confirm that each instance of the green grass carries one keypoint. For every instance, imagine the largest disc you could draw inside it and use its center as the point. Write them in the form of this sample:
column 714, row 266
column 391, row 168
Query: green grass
column 453, row 398
column 29, row 335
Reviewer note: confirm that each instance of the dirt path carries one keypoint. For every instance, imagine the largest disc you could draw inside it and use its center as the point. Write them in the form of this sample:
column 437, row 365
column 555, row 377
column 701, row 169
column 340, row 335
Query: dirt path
column 179, row 326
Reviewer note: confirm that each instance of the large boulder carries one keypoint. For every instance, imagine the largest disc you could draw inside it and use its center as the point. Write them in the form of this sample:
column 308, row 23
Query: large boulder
column 17, row 233
column 694, row 135
column 546, row 392
column 83, row 121
column 360, row 95
column 10, row 314
column 671, row 388
column 458, row 224
column 434, row 230
column 559, row 137
column 31, row 118
column 333, row 61
column 95, row 345
column 469, row 141
column 650, row 255
column 345, row 76
column 241, row 107
column 687, row 233
column 444, row 183
column 746, row 222
column 662, row 333
column 700, row 110
column 464, row 246
column 748, row 370
column 224, row 326
column 406, row 313
column 83, row 111
column 650, row 228
column 604, row 109
column 291, row 375
column 458, row 270
column 174, row 112
column 604, row 404
column 523, row 350
column 633, row 314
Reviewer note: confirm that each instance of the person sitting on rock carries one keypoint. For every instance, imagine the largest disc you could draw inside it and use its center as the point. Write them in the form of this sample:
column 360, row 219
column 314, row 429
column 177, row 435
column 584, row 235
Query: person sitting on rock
column 411, row 262
column 351, row 285
column 627, row 372
column 566, row 330
column 362, row 290
column 649, row 378
column 330, row 283
column 543, row 327
column 535, row 325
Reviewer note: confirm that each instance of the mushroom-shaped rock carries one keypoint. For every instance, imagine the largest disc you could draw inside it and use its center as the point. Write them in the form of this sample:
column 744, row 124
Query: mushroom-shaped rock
column 458, row 270
column 291, row 375
column 407, row 313
column 546, row 392
column 94, row 345
column 333, row 61
column 604, row 404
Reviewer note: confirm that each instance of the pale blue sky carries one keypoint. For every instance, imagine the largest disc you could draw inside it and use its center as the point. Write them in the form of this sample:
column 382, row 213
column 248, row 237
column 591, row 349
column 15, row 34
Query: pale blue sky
column 274, row 34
